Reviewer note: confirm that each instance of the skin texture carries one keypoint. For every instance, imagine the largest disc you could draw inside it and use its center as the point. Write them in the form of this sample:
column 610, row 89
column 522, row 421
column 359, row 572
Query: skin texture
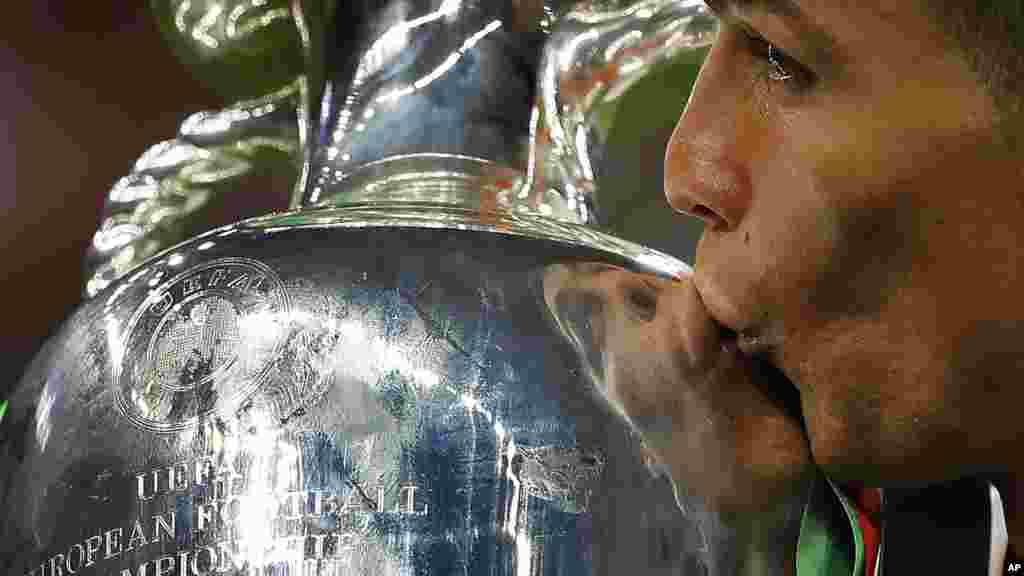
column 865, row 228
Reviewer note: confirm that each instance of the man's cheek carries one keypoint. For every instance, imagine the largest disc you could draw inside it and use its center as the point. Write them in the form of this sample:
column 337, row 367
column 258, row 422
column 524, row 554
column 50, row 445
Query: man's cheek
column 819, row 226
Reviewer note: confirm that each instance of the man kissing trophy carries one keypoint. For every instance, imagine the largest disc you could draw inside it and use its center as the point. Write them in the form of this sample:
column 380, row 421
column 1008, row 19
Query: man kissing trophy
column 372, row 381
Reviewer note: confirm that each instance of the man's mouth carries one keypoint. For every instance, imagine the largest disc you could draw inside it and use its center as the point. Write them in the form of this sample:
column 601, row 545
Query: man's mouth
column 758, row 352
column 736, row 328
column 749, row 344
column 756, row 346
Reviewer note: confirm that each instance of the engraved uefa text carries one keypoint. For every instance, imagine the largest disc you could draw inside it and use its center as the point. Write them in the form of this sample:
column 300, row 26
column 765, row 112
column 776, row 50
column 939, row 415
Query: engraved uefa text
column 205, row 517
column 203, row 342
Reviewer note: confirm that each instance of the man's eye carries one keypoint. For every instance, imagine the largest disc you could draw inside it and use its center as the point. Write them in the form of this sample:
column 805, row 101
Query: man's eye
column 780, row 67
column 778, row 60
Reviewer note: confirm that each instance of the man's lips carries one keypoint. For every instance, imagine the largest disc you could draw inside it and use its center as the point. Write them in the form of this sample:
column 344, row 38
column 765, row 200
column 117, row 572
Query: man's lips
column 748, row 344
column 721, row 309
column 758, row 348
column 754, row 345
column 735, row 325
column 756, row 355
column 737, row 331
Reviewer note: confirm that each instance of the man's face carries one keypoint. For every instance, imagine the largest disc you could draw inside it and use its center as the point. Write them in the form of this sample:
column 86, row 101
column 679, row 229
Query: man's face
column 863, row 229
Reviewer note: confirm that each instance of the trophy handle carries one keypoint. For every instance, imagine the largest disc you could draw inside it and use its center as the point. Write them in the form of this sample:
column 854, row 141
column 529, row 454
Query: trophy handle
column 161, row 201
column 595, row 52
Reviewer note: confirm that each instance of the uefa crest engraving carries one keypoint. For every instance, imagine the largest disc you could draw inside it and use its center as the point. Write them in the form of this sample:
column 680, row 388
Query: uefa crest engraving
column 201, row 343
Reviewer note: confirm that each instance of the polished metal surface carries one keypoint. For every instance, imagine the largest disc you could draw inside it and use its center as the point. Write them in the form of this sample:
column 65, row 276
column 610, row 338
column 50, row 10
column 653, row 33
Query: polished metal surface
column 518, row 88
column 463, row 78
column 406, row 77
column 595, row 53
column 162, row 201
column 246, row 50
column 375, row 390
column 241, row 49
column 374, row 382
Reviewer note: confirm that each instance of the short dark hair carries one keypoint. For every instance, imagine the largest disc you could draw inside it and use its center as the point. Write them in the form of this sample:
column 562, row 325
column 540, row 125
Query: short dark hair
column 990, row 34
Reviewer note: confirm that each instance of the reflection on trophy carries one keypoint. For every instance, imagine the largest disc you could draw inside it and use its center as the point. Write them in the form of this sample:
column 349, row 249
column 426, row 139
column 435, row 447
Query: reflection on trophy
column 371, row 382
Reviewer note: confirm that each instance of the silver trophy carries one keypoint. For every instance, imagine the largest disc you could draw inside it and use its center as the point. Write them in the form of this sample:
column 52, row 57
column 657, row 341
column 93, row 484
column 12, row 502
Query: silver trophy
column 380, row 380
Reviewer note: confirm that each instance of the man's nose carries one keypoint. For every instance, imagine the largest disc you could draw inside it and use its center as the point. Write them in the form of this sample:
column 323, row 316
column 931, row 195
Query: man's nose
column 707, row 171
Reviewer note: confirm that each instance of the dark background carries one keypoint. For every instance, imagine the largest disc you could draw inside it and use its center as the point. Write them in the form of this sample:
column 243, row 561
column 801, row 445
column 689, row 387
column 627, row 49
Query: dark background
column 88, row 86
